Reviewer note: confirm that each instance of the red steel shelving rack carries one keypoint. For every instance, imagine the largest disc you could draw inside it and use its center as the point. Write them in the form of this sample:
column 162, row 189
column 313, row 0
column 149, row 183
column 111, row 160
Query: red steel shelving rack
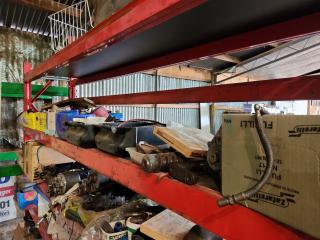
column 194, row 202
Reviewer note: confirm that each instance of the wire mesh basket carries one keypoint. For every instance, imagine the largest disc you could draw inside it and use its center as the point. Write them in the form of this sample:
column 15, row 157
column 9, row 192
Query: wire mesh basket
column 69, row 24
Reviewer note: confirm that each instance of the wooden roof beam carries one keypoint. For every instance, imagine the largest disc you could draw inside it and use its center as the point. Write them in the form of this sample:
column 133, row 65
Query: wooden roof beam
column 183, row 72
column 47, row 5
column 228, row 58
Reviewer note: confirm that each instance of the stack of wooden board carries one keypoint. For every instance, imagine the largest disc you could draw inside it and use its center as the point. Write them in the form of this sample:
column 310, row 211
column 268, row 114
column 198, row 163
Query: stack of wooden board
column 167, row 225
column 191, row 142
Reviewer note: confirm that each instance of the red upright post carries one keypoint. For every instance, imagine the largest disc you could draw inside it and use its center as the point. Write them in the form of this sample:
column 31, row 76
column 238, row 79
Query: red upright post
column 27, row 93
column 72, row 87
column 26, row 88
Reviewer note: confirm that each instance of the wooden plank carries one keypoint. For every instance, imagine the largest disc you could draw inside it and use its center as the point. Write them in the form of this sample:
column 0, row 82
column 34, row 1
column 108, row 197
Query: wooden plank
column 228, row 58
column 167, row 225
column 190, row 142
column 183, row 72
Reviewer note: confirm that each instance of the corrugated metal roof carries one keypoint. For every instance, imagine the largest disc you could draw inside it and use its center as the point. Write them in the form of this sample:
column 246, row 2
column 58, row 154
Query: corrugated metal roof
column 19, row 16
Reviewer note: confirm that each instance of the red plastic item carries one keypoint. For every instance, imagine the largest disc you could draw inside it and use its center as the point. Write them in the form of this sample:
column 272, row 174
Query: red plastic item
column 101, row 112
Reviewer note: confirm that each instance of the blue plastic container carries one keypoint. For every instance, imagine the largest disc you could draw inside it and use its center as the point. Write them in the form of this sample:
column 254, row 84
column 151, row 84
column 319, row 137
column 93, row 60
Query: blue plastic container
column 61, row 118
column 67, row 116
column 118, row 116
column 27, row 198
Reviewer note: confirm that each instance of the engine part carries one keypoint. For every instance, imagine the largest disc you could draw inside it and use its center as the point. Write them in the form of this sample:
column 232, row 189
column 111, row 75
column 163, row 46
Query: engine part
column 146, row 148
column 232, row 199
column 81, row 134
column 214, row 158
column 159, row 162
column 103, row 202
column 196, row 232
column 93, row 183
column 184, row 172
column 115, row 137
column 61, row 183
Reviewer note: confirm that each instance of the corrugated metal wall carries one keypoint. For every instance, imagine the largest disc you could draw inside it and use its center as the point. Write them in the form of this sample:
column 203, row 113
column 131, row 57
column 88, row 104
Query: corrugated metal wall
column 15, row 48
column 139, row 82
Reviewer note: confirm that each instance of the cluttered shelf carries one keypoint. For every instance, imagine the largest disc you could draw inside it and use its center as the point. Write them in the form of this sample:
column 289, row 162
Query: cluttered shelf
column 32, row 211
column 198, row 203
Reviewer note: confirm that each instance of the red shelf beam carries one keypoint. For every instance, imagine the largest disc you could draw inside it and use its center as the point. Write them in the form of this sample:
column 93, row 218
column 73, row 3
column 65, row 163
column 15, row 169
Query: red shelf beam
column 296, row 88
column 194, row 202
column 33, row 211
column 271, row 34
column 136, row 17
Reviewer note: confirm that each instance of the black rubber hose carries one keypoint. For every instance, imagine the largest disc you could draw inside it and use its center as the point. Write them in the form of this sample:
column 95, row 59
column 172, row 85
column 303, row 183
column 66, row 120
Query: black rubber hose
column 232, row 199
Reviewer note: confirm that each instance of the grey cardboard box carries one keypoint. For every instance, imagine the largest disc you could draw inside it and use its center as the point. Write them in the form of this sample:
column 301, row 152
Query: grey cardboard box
column 292, row 195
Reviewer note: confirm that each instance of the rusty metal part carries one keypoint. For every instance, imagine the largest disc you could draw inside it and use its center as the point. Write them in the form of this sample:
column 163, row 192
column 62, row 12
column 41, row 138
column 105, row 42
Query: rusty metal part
column 159, row 162
column 232, row 199
column 214, row 157
column 183, row 172
column 147, row 148
column 61, row 183
column 93, row 183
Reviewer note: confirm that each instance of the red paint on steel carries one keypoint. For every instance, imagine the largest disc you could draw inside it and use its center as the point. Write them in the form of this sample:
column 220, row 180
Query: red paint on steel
column 41, row 91
column 33, row 211
column 26, row 88
column 136, row 17
column 296, row 88
column 72, row 88
column 194, row 202
column 275, row 33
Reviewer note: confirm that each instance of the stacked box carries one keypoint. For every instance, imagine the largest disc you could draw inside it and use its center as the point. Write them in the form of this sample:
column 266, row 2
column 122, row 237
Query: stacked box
column 7, row 206
column 37, row 156
column 292, row 194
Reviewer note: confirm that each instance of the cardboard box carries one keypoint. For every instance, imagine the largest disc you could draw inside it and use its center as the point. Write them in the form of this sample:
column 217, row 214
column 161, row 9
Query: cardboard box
column 51, row 120
column 37, row 156
column 8, row 209
column 292, row 195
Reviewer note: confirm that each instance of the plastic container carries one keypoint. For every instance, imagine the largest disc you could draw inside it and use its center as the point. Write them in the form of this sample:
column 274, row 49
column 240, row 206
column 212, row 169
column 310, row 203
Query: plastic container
column 67, row 116
column 61, row 118
column 41, row 121
column 29, row 120
column 25, row 199
column 117, row 115
column 101, row 112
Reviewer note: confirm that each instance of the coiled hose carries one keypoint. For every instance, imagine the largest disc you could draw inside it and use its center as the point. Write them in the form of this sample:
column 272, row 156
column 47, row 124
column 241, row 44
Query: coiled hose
column 232, row 199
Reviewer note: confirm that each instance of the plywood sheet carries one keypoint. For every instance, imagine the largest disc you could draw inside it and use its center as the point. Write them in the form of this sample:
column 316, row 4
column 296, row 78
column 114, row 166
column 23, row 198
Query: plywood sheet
column 191, row 142
column 167, row 225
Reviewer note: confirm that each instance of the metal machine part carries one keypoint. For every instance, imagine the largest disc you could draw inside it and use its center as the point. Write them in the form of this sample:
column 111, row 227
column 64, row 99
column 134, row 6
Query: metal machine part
column 214, row 157
column 93, row 183
column 115, row 137
column 232, row 199
column 81, row 134
column 103, row 202
column 185, row 172
column 61, row 183
column 159, row 162
column 197, row 232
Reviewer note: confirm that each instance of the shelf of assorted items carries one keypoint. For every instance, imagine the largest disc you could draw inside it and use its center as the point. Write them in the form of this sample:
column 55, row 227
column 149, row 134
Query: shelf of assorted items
column 196, row 203
column 138, row 21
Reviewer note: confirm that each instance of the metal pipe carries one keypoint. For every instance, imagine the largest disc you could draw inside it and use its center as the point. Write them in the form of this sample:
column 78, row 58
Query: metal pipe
column 232, row 199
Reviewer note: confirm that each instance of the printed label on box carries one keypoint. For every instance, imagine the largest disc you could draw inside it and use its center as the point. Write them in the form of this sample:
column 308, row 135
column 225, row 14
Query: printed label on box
column 7, row 208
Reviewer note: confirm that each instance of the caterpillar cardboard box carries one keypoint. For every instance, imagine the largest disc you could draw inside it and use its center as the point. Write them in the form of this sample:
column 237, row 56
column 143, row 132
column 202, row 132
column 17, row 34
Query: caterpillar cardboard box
column 292, row 195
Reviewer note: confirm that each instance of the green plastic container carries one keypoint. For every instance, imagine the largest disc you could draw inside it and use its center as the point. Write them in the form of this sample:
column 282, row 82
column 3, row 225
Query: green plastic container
column 8, row 164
